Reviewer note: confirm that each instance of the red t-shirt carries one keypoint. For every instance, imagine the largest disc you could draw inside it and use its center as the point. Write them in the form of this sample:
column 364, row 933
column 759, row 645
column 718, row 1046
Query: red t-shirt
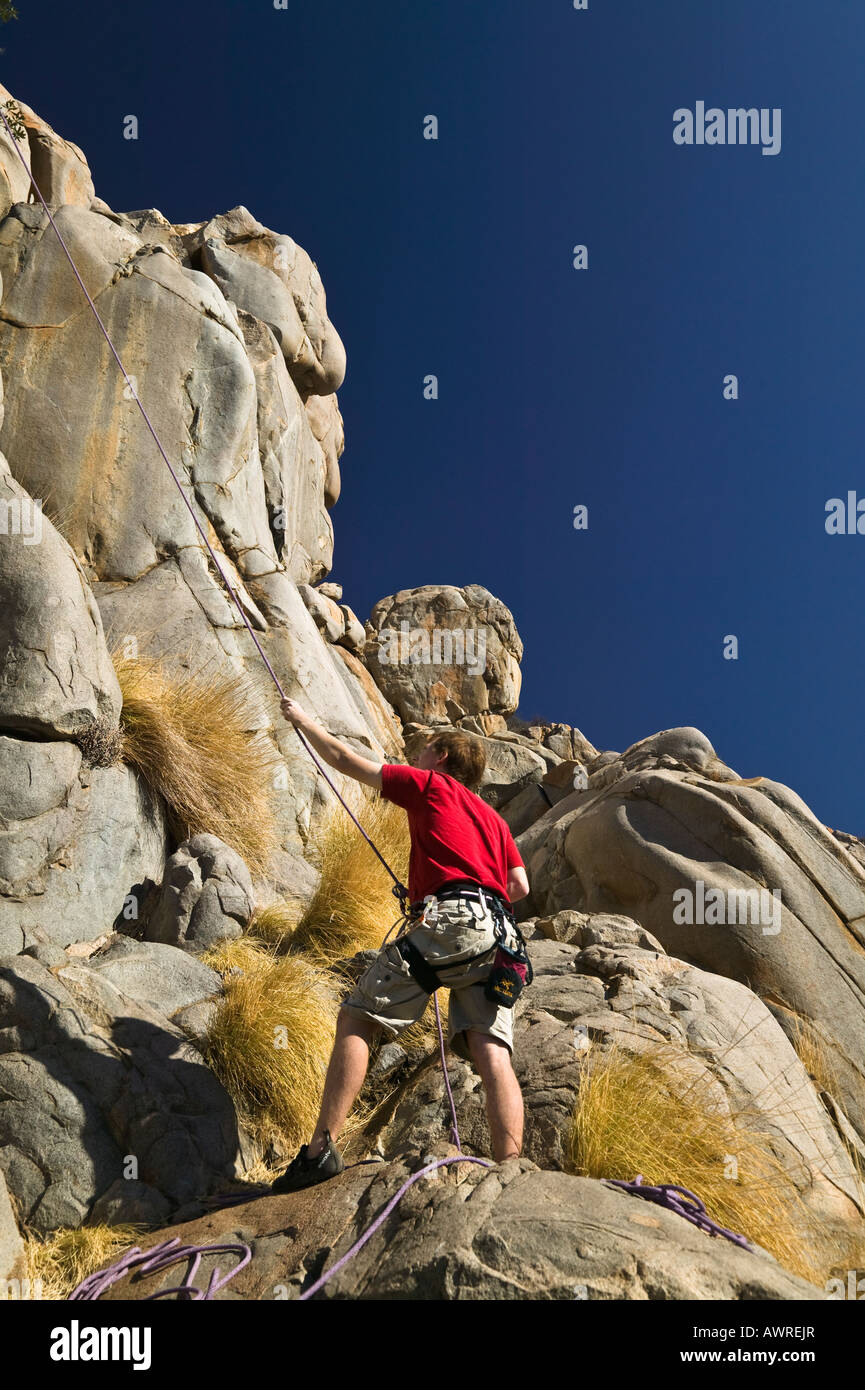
column 454, row 834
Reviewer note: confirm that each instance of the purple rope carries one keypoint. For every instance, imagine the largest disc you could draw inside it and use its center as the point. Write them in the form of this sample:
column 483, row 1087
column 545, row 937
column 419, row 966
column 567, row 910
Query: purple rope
column 162, row 1257
column 399, row 888
column 430, row 1167
column 687, row 1205
column 454, row 1130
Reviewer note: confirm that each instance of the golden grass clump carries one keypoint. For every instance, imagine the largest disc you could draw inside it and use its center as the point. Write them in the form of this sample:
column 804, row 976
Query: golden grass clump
column 814, row 1055
column 238, row 953
column 275, row 924
column 631, row 1117
column 57, row 1263
column 190, row 738
column 270, row 1039
column 353, row 906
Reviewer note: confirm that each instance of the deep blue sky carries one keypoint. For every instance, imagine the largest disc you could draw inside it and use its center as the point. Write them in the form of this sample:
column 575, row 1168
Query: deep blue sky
column 557, row 387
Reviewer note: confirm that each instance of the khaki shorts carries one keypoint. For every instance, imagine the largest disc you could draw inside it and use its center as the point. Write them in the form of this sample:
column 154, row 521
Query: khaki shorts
column 389, row 994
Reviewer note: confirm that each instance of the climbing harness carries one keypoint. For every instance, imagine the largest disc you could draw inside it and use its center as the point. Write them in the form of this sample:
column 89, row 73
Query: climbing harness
column 685, row 1204
column 399, row 890
column 511, row 969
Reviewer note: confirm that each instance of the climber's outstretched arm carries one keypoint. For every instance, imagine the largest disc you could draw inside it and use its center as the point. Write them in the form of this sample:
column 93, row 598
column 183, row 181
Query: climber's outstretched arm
column 337, row 754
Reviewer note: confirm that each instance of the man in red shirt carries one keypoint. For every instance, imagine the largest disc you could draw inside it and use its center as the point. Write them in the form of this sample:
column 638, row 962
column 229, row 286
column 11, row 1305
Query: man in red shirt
column 462, row 857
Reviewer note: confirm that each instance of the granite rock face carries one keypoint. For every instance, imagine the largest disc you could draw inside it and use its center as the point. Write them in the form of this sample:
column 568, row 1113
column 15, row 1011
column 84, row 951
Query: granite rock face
column 735, row 876
column 56, row 676
column 97, row 1089
column 437, row 651
column 509, row 1232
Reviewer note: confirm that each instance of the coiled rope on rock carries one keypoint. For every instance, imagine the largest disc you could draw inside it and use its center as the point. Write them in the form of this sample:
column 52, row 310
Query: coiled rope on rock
column 682, row 1202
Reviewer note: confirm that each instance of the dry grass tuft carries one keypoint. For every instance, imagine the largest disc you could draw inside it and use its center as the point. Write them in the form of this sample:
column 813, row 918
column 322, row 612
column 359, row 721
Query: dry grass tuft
column 190, row 738
column 238, row 953
column 62, row 1259
column 629, row 1119
column 275, row 924
column 814, row 1055
column 353, row 906
column 270, row 1039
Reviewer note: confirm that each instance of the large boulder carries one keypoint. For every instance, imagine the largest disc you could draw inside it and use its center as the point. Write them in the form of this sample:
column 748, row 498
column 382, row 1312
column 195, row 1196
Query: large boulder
column 509, row 1232
column 79, row 845
column 206, row 896
column 12, row 1255
column 738, row 877
column 98, row 1090
column 56, row 677
column 270, row 276
column 162, row 977
column 438, row 653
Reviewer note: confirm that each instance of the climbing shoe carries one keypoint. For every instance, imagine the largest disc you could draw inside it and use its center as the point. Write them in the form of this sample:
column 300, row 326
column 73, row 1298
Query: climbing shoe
column 306, row 1172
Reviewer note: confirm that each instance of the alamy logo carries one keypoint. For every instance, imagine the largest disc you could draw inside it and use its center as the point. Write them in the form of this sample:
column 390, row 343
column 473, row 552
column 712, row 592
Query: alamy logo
column 22, row 516
column 736, row 126
column 845, row 519
column 854, row 1290
column 711, row 907
column 462, row 646
column 20, row 1290
column 75, row 1343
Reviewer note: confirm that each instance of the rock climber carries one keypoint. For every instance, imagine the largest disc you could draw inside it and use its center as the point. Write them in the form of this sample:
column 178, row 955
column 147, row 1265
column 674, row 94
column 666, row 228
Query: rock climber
column 464, row 872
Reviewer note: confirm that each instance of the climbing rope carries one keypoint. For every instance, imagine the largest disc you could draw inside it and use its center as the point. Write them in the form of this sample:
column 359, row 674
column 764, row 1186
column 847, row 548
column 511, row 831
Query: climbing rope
column 161, row 1257
column 399, row 890
column 682, row 1202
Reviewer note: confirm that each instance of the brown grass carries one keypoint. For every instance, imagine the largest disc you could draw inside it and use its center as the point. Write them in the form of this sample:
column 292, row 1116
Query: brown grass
column 275, row 924
column 353, row 906
column 190, row 737
column 270, row 1039
column 814, row 1055
column 629, row 1119
column 61, row 1260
